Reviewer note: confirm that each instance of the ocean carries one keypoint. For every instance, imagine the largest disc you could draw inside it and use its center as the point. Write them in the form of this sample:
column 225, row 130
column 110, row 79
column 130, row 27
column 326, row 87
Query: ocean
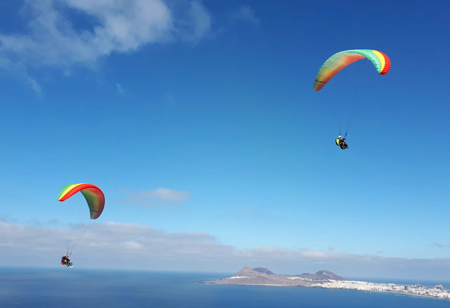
column 84, row 288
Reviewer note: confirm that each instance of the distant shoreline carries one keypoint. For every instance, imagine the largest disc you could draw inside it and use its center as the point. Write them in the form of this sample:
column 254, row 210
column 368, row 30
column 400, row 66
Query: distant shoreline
column 390, row 292
column 318, row 287
column 328, row 280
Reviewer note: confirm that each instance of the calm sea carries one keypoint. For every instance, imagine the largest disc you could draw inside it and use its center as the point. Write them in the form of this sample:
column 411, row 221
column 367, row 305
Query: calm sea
column 67, row 288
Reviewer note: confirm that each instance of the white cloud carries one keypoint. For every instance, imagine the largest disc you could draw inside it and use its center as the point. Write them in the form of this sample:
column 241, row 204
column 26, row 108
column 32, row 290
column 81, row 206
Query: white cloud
column 154, row 197
column 118, row 241
column 134, row 246
column 246, row 13
column 169, row 194
column 116, row 26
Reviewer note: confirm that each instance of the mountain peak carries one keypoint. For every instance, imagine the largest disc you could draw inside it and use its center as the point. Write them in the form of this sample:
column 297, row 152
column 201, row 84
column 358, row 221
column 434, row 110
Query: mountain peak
column 248, row 271
column 322, row 275
column 263, row 270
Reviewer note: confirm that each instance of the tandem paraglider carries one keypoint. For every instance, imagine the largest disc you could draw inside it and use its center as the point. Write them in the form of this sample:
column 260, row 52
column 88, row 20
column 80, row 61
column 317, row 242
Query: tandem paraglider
column 65, row 260
column 341, row 142
column 95, row 200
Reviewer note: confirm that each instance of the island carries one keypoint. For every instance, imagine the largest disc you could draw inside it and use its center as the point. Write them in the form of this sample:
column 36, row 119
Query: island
column 261, row 276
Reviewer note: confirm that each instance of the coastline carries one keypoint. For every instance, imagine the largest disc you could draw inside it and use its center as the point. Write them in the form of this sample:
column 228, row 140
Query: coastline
column 328, row 280
column 390, row 292
column 321, row 287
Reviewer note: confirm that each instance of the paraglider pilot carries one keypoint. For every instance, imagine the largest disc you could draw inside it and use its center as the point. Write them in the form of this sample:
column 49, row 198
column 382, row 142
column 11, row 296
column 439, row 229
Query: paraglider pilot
column 340, row 141
column 65, row 260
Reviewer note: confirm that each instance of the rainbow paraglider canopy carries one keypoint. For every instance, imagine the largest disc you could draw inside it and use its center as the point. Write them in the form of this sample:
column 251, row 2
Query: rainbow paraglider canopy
column 93, row 195
column 342, row 59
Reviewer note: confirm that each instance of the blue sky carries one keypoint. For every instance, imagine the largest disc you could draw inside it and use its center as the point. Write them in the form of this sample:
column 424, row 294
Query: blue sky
column 199, row 118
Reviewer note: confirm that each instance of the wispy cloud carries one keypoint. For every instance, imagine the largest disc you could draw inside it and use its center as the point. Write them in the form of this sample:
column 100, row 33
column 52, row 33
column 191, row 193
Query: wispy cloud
column 4, row 218
column 54, row 37
column 247, row 14
column 120, row 89
column 196, row 24
column 35, row 86
column 138, row 246
column 38, row 223
column 121, row 26
column 169, row 194
column 439, row 245
column 159, row 196
column 19, row 71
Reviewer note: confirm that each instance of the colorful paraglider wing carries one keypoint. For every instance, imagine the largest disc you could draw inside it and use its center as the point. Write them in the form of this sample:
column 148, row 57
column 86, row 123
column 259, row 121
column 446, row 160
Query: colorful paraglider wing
column 344, row 58
column 93, row 195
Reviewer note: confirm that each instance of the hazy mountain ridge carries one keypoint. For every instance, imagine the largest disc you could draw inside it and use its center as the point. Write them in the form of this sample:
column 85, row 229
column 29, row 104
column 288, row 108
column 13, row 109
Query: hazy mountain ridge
column 321, row 275
column 264, row 276
column 248, row 271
